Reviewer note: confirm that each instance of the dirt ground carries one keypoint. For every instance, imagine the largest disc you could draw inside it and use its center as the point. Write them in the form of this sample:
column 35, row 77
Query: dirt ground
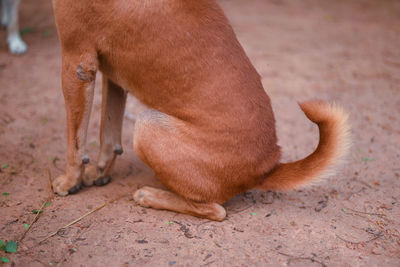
column 343, row 51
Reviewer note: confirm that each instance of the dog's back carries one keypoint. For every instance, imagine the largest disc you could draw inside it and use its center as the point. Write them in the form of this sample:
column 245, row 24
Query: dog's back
column 183, row 52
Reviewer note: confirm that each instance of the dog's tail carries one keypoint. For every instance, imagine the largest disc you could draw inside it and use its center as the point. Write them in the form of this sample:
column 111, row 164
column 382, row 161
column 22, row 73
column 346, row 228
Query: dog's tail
column 333, row 145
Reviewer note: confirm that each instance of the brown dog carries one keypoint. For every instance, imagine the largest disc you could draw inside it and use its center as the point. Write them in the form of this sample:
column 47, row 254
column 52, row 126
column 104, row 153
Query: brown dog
column 209, row 133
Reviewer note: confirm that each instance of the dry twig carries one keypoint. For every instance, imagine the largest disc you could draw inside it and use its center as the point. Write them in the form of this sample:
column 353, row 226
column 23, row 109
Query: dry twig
column 368, row 213
column 303, row 258
column 50, row 183
column 379, row 235
column 81, row 217
column 41, row 208
column 34, row 220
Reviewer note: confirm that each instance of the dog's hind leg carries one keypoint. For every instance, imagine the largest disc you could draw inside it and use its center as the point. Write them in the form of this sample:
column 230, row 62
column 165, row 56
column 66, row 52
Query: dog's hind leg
column 15, row 43
column 78, row 80
column 160, row 142
column 164, row 200
column 112, row 112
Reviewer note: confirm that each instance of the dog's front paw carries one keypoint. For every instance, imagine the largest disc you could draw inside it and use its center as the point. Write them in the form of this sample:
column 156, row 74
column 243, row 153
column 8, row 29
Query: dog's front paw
column 92, row 177
column 16, row 45
column 63, row 186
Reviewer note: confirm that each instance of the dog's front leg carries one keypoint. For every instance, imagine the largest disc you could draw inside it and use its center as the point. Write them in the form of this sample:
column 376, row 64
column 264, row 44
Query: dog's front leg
column 112, row 112
column 78, row 79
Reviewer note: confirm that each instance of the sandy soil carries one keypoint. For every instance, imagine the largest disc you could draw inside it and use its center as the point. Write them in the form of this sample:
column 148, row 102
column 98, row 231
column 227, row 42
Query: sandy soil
column 344, row 51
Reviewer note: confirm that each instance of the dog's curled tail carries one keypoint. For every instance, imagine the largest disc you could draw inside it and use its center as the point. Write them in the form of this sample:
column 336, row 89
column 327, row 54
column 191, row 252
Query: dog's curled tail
column 333, row 145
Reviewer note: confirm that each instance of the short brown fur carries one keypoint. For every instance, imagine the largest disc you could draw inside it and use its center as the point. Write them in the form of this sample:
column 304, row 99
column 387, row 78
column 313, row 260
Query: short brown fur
column 209, row 133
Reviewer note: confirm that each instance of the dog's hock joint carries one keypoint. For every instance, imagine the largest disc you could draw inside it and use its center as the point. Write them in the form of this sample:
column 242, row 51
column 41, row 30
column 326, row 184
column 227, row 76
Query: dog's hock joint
column 86, row 76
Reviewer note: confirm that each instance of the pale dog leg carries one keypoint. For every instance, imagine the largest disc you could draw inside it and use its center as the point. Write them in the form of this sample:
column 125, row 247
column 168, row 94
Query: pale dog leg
column 4, row 13
column 10, row 17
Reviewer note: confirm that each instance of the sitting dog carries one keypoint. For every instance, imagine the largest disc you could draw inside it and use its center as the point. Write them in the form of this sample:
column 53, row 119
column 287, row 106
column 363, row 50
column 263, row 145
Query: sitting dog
column 209, row 132
column 9, row 20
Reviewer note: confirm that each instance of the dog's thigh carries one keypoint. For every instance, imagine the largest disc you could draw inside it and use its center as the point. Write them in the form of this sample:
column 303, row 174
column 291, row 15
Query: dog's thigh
column 163, row 144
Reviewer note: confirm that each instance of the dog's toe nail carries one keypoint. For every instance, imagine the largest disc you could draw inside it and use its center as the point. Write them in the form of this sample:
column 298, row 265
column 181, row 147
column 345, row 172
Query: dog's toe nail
column 102, row 180
column 74, row 189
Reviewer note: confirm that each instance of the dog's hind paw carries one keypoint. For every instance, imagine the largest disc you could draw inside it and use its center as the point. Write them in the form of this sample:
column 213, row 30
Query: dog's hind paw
column 141, row 197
